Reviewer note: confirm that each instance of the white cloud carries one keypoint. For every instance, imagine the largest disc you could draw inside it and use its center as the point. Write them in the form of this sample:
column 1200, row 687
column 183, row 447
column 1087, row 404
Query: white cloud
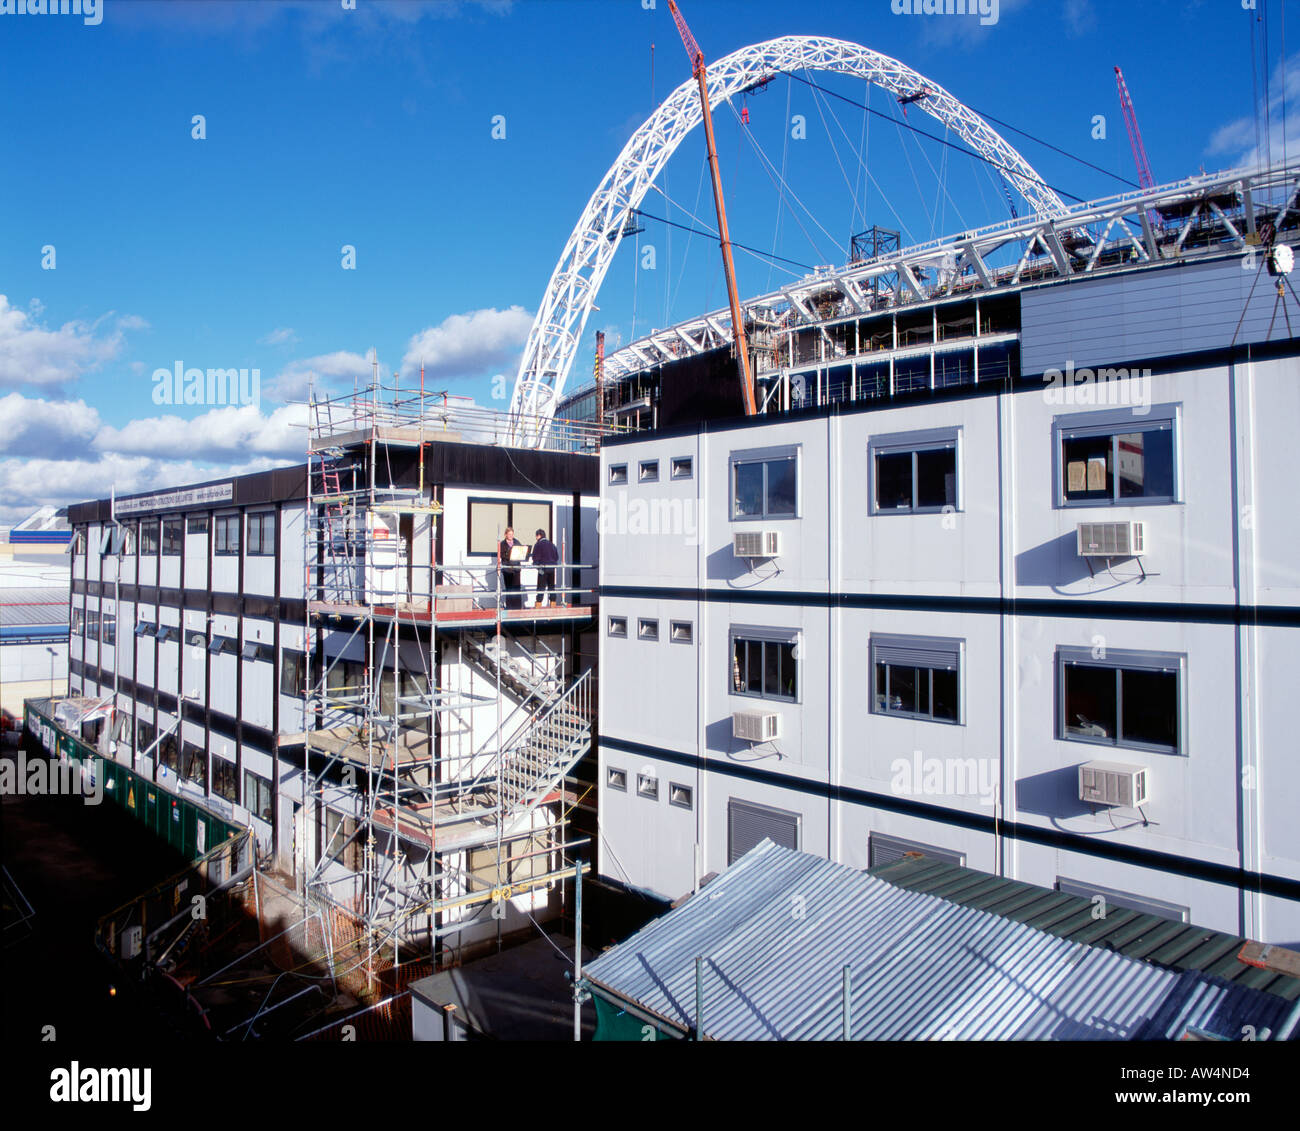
column 1239, row 139
column 469, row 345
column 32, row 354
column 334, row 373
column 36, row 427
column 282, row 336
column 222, row 433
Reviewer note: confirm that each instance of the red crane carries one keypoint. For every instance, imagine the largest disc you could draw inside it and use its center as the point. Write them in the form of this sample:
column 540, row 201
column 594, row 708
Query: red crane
column 1145, row 179
column 729, row 267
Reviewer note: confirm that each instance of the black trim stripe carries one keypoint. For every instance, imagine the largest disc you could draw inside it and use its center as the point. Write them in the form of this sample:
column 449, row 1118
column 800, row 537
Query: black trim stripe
column 1232, row 876
column 1278, row 616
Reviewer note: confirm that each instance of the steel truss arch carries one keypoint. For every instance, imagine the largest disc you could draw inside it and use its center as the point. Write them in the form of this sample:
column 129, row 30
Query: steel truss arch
column 561, row 319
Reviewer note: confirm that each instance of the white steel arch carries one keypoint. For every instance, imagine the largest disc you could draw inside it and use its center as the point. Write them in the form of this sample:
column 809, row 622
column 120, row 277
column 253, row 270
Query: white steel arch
column 562, row 317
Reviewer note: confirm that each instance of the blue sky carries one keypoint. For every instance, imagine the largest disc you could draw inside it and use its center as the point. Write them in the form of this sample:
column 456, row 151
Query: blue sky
column 373, row 128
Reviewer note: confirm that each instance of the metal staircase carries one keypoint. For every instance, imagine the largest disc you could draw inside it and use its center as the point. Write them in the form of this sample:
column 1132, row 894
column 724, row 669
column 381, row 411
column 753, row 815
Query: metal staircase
column 533, row 765
column 522, row 680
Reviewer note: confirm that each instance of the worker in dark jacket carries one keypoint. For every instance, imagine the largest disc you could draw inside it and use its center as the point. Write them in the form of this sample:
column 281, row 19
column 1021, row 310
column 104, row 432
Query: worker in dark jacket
column 510, row 577
column 544, row 555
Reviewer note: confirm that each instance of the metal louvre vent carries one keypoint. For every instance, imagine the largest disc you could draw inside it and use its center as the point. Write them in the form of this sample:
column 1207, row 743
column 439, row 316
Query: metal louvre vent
column 749, row 824
column 883, row 849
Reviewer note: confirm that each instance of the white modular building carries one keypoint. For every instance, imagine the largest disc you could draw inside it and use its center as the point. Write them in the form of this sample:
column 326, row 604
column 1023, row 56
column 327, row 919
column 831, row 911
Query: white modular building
column 1006, row 573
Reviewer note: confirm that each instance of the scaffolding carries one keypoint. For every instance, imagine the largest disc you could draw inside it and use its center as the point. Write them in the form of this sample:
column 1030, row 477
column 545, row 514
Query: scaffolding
column 441, row 840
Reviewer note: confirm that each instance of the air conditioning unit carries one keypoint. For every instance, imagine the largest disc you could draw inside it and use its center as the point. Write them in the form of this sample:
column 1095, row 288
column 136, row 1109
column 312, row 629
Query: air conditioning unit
column 1113, row 783
column 1111, row 539
column 132, row 943
column 756, row 726
column 756, row 543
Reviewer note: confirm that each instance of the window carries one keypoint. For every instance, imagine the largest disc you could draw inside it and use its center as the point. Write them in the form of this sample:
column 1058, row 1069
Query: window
column 168, row 633
column 1117, row 457
column 227, row 542
column 92, row 625
column 222, row 645
column 108, row 627
column 197, row 525
column 763, row 664
column 1131, row 699
column 148, row 537
column 682, row 796
column 173, row 536
column 647, row 786
column 617, row 474
column 253, row 650
column 647, row 629
column 123, row 725
column 616, row 779
column 488, row 519
column 1113, row 898
column 194, row 764
column 169, row 754
column 917, row 676
column 649, row 472
column 78, row 622
column 618, row 626
column 225, row 779
column 257, row 796
column 196, row 638
column 749, row 824
column 682, row 632
column 914, row 473
column 124, row 541
column 883, row 850
column 682, row 467
column 764, row 487
column 339, row 840
column 292, row 665
column 261, row 534
column 144, row 736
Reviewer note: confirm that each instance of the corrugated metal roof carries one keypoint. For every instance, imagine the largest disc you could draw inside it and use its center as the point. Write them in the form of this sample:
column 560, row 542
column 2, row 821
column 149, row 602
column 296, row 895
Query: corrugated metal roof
column 1166, row 942
column 33, row 606
column 778, row 927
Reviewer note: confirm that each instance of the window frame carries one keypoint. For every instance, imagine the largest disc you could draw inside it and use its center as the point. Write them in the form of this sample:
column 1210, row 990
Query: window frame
column 689, row 802
column 899, row 443
column 616, row 627
column 647, row 786
column 647, row 628
column 765, row 635
column 617, row 475
column 1115, row 423
column 253, row 804
column 742, row 806
column 1121, row 660
column 675, row 625
column 172, row 522
column 150, row 537
column 619, row 786
column 265, row 521
column 647, row 471
column 681, row 467
column 523, row 538
column 222, row 524
column 764, row 456
column 893, row 649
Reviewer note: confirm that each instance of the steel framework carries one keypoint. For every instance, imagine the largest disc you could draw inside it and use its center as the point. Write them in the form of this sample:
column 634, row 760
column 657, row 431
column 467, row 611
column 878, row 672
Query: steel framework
column 557, row 330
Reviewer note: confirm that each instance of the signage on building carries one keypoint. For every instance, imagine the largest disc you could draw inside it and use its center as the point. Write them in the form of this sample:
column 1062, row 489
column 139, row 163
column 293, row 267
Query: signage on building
column 172, row 500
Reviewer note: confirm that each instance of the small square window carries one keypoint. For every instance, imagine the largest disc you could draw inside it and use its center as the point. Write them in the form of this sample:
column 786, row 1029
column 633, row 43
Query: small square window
column 649, row 471
column 647, row 786
column 683, row 796
column 168, row 632
column 617, row 474
column 618, row 626
column 683, row 632
column 144, row 628
column 647, row 629
column 616, row 779
column 222, row 644
column 683, row 467
column 196, row 638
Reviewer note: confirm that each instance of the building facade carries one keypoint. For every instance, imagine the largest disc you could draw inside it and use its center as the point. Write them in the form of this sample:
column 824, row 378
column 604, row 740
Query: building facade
column 894, row 616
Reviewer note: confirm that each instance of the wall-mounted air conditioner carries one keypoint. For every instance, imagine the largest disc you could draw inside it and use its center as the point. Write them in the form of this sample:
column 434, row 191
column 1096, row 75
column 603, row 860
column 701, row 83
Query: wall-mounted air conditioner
column 756, row 726
column 756, row 543
column 1111, row 539
column 1113, row 783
